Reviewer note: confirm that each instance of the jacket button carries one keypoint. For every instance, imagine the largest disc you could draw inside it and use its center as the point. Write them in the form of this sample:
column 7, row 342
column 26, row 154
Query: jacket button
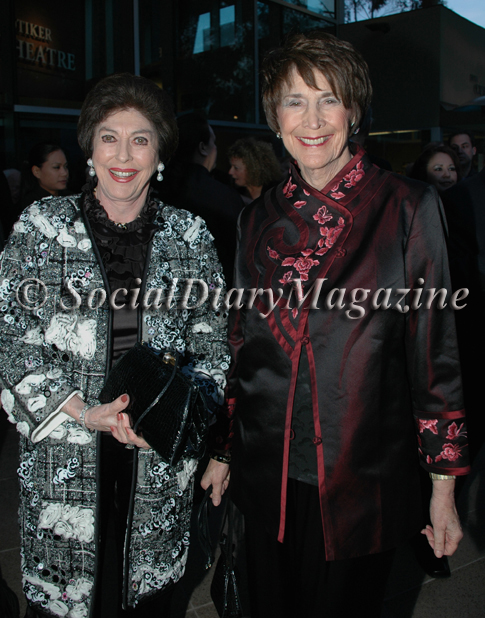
column 316, row 440
column 305, row 340
column 341, row 253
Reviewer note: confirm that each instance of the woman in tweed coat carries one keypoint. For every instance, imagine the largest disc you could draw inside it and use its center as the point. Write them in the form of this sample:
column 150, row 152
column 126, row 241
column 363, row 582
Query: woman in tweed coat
column 68, row 267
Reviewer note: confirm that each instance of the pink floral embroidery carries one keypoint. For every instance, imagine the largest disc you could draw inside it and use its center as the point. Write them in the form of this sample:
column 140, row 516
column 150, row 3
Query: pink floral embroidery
column 287, row 277
column 322, row 215
column 274, row 255
column 299, row 203
column 329, row 237
column 306, row 192
column 429, row 459
column 455, row 432
column 451, row 452
column 355, row 175
column 338, row 196
column 431, row 425
column 350, row 180
column 303, row 265
column 288, row 261
column 289, row 188
column 307, row 252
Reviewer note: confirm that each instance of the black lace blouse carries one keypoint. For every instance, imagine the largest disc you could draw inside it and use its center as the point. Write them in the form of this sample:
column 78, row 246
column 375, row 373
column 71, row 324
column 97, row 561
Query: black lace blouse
column 123, row 250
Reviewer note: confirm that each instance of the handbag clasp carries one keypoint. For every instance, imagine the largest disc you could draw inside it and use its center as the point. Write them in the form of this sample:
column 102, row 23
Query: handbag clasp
column 169, row 359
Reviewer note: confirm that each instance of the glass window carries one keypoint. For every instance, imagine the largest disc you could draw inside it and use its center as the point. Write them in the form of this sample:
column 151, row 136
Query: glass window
column 203, row 34
column 227, row 21
column 323, row 7
column 214, row 68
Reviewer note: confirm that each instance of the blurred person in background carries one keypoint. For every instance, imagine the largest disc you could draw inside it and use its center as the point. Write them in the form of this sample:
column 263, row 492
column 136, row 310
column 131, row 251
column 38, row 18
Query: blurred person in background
column 188, row 183
column 45, row 173
column 438, row 165
column 254, row 166
column 463, row 143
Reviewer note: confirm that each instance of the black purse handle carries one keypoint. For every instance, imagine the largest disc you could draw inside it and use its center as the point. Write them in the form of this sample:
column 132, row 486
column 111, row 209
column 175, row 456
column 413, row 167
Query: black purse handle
column 204, row 531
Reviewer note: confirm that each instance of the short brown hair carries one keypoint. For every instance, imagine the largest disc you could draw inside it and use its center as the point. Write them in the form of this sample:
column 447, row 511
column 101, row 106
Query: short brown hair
column 125, row 91
column 262, row 166
column 342, row 65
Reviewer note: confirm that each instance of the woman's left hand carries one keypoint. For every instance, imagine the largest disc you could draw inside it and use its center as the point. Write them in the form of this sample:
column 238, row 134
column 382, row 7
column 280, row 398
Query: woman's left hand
column 125, row 434
column 217, row 474
column 445, row 533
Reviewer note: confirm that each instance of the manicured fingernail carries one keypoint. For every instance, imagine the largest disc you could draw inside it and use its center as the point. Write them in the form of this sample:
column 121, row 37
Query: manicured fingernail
column 120, row 416
column 112, row 428
column 124, row 398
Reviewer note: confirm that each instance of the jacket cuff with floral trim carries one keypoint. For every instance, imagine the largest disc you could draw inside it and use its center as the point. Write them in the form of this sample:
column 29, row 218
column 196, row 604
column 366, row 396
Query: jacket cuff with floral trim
column 35, row 403
column 443, row 442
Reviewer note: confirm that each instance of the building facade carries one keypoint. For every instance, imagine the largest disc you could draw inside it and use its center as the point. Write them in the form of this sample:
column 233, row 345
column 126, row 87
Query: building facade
column 207, row 53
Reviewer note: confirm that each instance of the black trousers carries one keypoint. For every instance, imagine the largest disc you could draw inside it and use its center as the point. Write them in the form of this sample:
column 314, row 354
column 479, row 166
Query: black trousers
column 293, row 579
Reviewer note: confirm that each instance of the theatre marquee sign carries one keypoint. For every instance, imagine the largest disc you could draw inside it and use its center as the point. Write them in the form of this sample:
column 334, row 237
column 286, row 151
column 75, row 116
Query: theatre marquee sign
column 34, row 46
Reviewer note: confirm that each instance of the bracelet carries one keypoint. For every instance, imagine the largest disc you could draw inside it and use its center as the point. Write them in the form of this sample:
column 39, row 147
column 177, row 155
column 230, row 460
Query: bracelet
column 82, row 414
column 441, row 477
column 225, row 459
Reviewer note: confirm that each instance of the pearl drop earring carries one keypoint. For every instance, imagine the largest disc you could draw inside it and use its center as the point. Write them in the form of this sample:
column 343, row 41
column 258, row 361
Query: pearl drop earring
column 92, row 171
column 160, row 168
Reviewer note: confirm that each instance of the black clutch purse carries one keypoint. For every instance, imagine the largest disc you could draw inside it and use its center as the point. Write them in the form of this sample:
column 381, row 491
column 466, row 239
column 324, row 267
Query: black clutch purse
column 166, row 406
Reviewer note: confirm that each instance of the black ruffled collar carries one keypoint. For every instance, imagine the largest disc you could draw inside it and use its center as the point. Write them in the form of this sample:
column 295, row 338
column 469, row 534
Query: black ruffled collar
column 98, row 215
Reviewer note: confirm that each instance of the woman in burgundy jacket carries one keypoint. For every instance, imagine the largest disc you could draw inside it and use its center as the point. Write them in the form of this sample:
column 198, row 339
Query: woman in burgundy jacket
column 351, row 379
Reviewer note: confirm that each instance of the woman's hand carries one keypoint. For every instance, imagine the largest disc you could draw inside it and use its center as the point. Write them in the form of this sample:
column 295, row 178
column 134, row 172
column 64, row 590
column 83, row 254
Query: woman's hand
column 99, row 418
column 445, row 533
column 107, row 417
column 217, row 474
column 123, row 432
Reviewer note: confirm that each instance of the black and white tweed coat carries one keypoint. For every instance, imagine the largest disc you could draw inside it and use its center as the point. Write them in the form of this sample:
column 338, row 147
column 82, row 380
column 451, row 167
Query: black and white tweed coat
column 51, row 349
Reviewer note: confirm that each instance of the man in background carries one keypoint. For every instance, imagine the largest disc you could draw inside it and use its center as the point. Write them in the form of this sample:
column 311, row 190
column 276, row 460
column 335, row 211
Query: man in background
column 463, row 144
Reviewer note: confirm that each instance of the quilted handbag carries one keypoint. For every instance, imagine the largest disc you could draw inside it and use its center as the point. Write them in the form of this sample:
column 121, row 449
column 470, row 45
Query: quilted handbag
column 224, row 588
column 166, row 407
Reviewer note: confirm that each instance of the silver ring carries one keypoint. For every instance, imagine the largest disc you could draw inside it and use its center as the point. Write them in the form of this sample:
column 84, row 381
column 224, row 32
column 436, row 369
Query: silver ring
column 129, row 446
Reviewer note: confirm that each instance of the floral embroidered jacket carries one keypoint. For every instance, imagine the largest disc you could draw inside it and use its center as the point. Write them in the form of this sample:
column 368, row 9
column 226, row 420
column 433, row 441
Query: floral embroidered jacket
column 385, row 383
column 47, row 354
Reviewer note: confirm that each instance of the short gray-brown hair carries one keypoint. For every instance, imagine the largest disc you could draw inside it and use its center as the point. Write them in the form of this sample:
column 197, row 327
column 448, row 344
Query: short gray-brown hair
column 342, row 65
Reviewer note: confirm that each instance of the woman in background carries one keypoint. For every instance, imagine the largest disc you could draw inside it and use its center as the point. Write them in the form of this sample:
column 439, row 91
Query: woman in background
column 45, row 173
column 439, row 166
column 254, row 166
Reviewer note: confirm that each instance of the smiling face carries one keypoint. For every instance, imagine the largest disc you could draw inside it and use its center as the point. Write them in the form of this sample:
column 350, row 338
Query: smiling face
column 314, row 126
column 441, row 171
column 53, row 173
column 238, row 172
column 125, row 156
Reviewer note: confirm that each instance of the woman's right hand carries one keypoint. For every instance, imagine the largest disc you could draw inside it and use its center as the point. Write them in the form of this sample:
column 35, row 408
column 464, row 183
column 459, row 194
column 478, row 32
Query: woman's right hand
column 99, row 418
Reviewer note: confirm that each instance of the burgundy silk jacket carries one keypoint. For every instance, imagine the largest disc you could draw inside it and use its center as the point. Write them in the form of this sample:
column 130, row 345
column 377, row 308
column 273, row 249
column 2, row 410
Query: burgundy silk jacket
column 385, row 383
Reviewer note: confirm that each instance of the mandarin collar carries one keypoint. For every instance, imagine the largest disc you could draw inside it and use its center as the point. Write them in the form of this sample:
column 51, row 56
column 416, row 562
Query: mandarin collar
column 344, row 186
